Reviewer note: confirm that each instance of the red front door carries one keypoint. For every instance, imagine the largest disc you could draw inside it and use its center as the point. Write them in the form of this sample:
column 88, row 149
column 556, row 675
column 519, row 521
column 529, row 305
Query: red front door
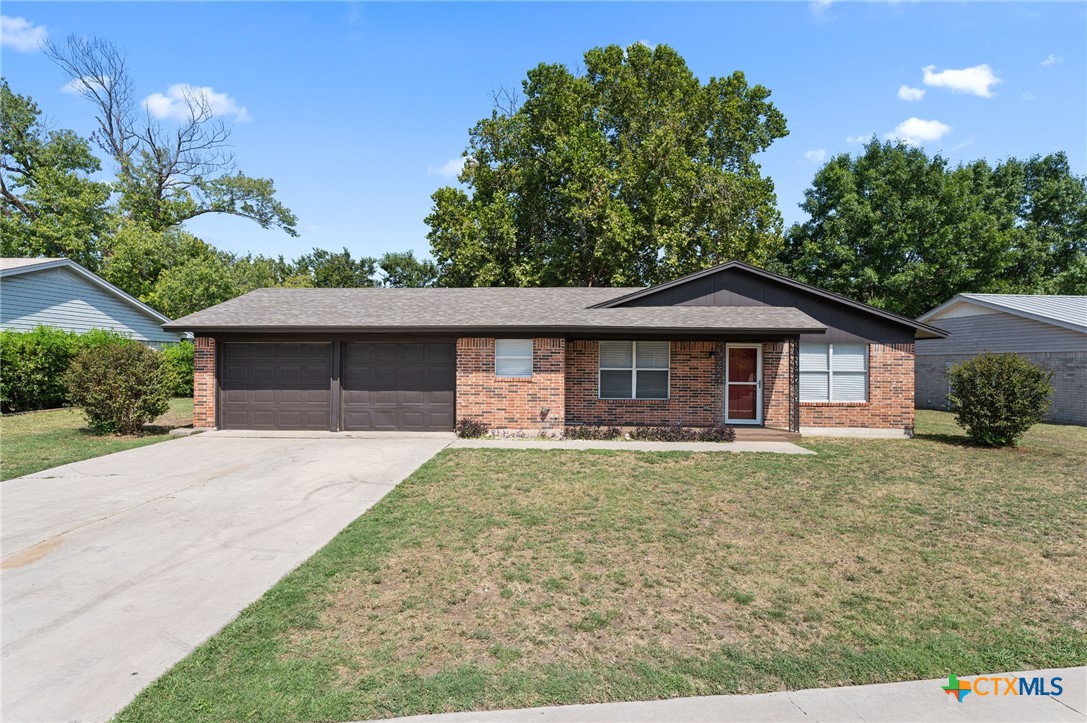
column 743, row 384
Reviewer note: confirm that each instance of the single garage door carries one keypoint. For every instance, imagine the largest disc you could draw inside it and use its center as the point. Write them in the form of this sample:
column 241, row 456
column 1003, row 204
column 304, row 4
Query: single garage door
column 276, row 386
column 390, row 386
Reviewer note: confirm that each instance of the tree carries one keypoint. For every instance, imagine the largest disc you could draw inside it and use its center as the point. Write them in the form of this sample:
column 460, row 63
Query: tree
column 327, row 269
column 193, row 285
column 166, row 175
column 632, row 172
column 401, row 268
column 48, row 205
column 905, row 232
column 138, row 255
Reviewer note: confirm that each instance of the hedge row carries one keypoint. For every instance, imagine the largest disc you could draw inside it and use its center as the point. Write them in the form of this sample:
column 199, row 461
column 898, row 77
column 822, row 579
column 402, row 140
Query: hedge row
column 32, row 365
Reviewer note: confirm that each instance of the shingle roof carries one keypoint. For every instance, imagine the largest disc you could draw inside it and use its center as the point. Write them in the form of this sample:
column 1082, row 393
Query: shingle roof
column 1064, row 311
column 476, row 308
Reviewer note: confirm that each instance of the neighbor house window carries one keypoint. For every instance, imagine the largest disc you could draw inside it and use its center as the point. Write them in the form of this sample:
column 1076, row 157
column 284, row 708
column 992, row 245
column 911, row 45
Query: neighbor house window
column 833, row 372
column 634, row 369
column 513, row 357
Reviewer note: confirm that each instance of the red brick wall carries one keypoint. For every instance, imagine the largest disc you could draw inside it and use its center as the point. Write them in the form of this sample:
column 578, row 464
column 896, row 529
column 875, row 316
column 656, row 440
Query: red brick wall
column 512, row 403
column 890, row 395
column 696, row 394
column 203, row 408
column 775, row 384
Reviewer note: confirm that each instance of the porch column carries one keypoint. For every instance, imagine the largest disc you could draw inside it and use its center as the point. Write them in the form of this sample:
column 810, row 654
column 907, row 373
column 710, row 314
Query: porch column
column 794, row 384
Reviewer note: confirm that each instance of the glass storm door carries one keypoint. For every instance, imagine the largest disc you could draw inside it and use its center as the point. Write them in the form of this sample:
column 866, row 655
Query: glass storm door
column 743, row 383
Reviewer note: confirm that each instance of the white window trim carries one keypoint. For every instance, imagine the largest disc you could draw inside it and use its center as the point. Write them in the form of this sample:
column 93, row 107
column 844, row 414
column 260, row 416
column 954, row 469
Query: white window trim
column 634, row 369
column 830, row 377
column 531, row 345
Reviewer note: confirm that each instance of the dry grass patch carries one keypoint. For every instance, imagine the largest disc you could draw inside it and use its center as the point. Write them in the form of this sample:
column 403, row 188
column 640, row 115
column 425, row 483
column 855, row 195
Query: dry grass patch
column 501, row 579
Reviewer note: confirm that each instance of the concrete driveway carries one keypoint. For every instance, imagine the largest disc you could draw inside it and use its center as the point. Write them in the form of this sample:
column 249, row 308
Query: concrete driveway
column 115, row 568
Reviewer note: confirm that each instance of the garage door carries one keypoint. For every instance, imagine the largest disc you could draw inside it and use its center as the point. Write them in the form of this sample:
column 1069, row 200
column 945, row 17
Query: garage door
column 389, row 386
column 276, row 386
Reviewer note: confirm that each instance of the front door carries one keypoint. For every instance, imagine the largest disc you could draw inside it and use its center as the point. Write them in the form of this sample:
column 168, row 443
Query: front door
column 743, row 383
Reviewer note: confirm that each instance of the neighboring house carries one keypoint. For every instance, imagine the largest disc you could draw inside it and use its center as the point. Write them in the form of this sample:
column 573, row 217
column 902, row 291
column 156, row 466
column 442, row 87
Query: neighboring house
column 731, row 344
column 61, row 293
column 1049, row 330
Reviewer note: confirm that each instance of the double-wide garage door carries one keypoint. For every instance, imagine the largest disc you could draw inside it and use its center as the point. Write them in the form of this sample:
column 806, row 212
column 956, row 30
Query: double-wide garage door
column 372, row 386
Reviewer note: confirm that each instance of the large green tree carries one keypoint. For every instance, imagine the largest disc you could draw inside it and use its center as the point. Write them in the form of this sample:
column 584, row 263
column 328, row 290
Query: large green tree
column 630, row 172
column 402, row 269
column 166, row 173
column 49, row 205
column 904, row 231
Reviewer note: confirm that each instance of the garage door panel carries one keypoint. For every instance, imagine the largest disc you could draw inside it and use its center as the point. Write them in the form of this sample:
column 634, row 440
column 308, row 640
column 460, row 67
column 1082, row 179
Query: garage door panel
column 278, row 385
column 408, row 386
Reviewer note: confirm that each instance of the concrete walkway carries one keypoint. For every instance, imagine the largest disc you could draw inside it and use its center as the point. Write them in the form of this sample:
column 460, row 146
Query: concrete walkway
column 922, row 700
column 115, row 568
column 631, row 446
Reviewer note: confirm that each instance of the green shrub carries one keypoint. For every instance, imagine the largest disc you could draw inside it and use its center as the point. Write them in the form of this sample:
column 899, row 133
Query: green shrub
column 998, row 397
column 120, row 387
column 32, row 362
column 181, row 358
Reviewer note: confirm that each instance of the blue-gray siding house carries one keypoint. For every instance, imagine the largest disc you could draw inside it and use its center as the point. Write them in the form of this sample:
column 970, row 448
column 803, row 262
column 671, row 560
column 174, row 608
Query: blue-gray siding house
column 61, row 293
column 1051, row 331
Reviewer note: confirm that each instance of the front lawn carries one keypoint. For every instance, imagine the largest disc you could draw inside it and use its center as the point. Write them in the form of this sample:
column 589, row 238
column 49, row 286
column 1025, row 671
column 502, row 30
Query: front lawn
column 503, row 579
column 35, row 441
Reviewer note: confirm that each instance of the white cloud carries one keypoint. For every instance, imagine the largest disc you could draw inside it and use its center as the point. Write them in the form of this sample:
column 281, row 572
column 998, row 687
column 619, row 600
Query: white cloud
column 905, row 92
column 1028, row 97
column 977, row 80
column 173, row 105
column 449, row 169
column 78, row 85
column 21, row 35
column 820, row 6
column 916, row 131
column 817, row 155
column 1052, row 59
column 860, row 138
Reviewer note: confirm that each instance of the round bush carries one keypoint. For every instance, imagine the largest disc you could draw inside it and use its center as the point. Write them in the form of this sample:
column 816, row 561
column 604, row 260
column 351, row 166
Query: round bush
column 998, row 397
column 120, row 387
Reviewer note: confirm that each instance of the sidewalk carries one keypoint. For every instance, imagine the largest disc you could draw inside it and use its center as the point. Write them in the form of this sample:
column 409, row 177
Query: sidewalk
column 921, row 700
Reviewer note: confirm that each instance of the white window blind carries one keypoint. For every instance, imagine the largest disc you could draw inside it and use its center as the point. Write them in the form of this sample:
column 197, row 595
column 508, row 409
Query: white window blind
column 634, row 369
column 833, row 372
column 513, row 357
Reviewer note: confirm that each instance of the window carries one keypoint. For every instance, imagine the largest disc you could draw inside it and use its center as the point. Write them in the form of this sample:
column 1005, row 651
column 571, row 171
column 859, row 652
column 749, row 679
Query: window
column 833, row 372
column 634, row 369
column 513, row 357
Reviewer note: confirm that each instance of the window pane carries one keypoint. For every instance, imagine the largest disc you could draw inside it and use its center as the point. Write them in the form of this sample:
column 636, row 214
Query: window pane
column 652, row 385
column 849, row 357
column 813, row 357
column 615, row 385
column 653, row 355
column 513, row 366
column 616, row 354
column 743, row 364
column 849, row 386
column 741, row 401
column 814, row 386
column 513, row 357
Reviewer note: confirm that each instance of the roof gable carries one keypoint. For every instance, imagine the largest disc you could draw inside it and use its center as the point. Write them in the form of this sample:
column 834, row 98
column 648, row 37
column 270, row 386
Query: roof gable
column 640, row 297
column 1067, row 312
column 16, row 266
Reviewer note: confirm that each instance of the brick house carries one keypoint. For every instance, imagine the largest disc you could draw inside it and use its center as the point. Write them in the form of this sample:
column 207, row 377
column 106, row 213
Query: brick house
column 731, row 344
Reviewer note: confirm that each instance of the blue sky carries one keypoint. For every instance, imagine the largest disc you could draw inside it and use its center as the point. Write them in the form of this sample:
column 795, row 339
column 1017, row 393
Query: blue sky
column 357, row 109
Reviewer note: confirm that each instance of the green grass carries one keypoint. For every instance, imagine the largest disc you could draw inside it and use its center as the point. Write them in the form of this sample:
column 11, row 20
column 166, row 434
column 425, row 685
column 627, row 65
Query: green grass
column 35, row 441
column 504, row 579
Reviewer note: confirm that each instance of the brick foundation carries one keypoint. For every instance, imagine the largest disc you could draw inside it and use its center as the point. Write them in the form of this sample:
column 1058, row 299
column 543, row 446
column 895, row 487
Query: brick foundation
column 890, row 395
column 203, row 408
column 533, row 404
column 696, row 392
